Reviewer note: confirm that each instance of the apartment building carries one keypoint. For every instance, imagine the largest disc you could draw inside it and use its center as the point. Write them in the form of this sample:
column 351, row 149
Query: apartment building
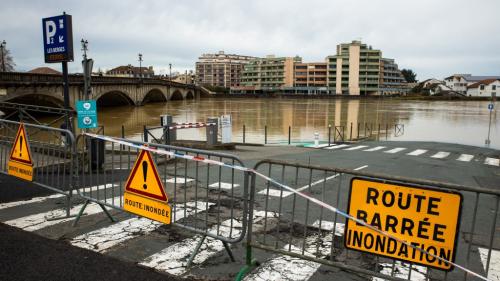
column 268, row 74
column 220, row 69
column 310, row 78
column 131, row 71
column 484, row 88
column 358, row 69
column 461, row 82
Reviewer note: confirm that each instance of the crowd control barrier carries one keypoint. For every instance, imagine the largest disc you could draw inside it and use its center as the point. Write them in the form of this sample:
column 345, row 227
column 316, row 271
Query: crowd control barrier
column 207, row 191
column 374, row 225
column 48, row 155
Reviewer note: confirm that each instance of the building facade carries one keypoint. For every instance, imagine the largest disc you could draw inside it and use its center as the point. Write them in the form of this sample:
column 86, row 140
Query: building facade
column 358, row 69
column 221, row 70
column 310, row 78
column 461, row 82
column 484, row 88
column 131, row 71
column 268, row 74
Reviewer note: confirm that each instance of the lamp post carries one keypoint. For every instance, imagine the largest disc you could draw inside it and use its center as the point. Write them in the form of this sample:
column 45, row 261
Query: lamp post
column 169, row 72
column 2, row 46
column 140, row 65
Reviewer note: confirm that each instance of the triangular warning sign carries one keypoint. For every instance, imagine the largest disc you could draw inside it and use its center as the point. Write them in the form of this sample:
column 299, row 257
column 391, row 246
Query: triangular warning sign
column 20, row 151
column 144, row 179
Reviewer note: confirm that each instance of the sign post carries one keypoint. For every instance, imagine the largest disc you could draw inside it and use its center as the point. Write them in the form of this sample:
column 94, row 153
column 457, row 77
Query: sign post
column 424, row 217
column 490, row 108
column 58, row 47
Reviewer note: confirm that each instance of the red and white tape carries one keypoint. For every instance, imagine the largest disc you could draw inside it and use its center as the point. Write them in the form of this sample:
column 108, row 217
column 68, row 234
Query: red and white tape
column 191, row 125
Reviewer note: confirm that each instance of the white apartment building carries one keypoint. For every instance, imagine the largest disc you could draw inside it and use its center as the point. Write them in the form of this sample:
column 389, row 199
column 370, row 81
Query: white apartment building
column 484, row 88
column 460, row 82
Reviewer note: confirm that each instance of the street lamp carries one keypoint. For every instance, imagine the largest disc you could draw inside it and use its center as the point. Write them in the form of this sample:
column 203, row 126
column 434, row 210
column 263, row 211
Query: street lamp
column 140, row 65
column 2, row 46
column 85, row 44
column 169, row 72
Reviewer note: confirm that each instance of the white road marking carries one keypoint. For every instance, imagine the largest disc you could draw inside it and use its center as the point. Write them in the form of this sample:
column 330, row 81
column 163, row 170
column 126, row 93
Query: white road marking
column 417, row 152
column 465, row 157
column 494, row 268
column 492, row 161
column 223, row 185
column 375, row 148
column 275, row 192
column 179, row 180
column 48, row 197
column 320, row 145
column 337, row 146
column 356, row 147
column 289, row 268
column 440, row 155
column 102, row 239
column 328, row 226
column 395, row 150
column 402, row 270
column 39, row 221
column 173, row 259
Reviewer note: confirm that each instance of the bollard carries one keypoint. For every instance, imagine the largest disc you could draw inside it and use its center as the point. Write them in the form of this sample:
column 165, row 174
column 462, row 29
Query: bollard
column 350, row 134
column 123, row 132
column 289, row 134
column 244, row 133
column 329, row 134
column 212, row 131
column 358, row 131
column 316, row 139
column 386, row 130
column 145, row 134
column 378, row 134
column 265, row 134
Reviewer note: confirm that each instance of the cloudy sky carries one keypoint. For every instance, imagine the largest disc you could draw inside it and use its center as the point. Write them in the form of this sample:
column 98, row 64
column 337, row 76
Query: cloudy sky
column 434, row 38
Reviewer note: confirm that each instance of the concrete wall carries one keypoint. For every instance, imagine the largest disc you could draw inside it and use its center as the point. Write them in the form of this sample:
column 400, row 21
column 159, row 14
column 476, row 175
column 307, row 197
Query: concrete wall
column 354, row 53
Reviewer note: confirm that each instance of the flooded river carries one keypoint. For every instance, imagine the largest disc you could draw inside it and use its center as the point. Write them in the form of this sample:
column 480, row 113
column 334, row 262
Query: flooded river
column 442, row 121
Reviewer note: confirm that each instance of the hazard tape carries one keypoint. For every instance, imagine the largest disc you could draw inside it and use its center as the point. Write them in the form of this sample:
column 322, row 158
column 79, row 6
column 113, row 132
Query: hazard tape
column 191, row 125
column 312, row 199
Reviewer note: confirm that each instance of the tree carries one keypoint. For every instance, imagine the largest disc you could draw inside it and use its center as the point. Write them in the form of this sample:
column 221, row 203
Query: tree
column 409, row 75
column 9, row 61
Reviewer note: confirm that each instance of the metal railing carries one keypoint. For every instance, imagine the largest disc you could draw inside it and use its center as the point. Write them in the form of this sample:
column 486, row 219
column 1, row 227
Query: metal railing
column 296, row 227
column 52, row 151
column 213, row 195
column 28, row 113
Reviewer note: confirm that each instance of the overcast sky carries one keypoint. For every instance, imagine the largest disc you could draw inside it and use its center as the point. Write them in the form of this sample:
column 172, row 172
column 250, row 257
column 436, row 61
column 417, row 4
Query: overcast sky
column 435, row 38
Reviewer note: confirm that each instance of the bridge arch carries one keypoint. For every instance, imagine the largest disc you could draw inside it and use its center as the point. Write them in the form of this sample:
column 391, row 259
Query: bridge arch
column 114, row 98
column 38, row 99
column 189, row 95
column 154, row 95
column 176, row 95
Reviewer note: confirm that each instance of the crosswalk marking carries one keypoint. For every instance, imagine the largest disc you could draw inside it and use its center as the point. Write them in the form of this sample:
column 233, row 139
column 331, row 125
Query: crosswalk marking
column 494, row 266
column 223, row 185
column 492, row 161
column 285, row 267
column 328, row 226
column 402, row 270
column 395, row 150
column 173, row 259
column 104, row 238
column 465, row 157
column 337, row 146
column 356, row 147
column 275, row 192
column 321, row 145
column 39, row 221
column 440, row 155
column 417, row 152
column 375, row 148
column 179, row 180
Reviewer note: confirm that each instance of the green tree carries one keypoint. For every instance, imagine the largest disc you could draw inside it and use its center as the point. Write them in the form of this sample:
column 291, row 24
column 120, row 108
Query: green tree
column 409, row 75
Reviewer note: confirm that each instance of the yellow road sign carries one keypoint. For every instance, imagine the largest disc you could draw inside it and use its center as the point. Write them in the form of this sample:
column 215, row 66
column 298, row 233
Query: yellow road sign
column 144, row 191
column 426, row 218
column 20, row 162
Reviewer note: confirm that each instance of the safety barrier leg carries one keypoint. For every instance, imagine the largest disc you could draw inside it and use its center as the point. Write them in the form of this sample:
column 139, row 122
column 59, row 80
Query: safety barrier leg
column 196, row 250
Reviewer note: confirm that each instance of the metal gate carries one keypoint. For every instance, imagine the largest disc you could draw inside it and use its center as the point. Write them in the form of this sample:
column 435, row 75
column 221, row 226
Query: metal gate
column 298, row 227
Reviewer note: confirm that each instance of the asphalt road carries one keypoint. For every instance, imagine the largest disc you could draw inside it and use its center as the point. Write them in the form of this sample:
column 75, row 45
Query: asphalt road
column 148, row 241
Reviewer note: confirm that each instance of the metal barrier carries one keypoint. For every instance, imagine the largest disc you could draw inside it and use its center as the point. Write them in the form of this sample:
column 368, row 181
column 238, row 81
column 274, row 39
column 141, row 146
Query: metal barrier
column 295, row 226
column 339, row 134
column 207, row 194
column 26, row 112
column 52, row 153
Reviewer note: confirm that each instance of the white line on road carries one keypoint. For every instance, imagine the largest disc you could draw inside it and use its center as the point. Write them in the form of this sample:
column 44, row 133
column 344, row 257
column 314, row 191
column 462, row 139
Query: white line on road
column 417, row 152
column 375, row 148
column 104, row 238
column 494, row 267
column 275, row 192
column 337, row 146
column 395, row 150
column 223, row 185
column 356, row 147
column 179, row 180
column 465, row 157
column 440, row 155
column 39, row 221
column 492, row 161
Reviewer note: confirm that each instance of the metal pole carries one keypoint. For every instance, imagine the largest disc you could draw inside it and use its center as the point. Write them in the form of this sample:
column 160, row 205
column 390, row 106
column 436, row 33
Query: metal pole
column 378, row 134
column 289, row 134
column 350, row 134
column 66, row 95
column 358, row 130
column 265, row 134
column 386, row 130
column 488, row 141
column 140, row 66
column 244, row 129
column 329, row 134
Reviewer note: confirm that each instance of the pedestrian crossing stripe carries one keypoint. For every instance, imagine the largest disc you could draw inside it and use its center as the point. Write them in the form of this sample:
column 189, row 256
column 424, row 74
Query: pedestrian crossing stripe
column 20, row 162
column 144, row 192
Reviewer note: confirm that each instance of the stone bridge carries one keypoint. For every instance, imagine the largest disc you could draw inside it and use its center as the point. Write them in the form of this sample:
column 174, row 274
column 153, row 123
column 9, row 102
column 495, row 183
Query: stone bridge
column 47, row 89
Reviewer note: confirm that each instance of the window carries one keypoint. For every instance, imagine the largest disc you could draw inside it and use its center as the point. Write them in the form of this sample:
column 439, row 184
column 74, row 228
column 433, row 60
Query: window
column 493, row 87
column 481, row 87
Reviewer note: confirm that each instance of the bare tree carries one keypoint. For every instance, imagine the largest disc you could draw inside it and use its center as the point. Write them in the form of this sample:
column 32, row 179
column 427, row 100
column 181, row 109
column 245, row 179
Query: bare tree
column 6, row 60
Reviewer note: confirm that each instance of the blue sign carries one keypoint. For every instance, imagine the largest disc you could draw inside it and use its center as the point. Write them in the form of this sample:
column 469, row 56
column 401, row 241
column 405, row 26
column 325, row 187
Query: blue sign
column 86, row 111
column 57, row 39
column 490, row 106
